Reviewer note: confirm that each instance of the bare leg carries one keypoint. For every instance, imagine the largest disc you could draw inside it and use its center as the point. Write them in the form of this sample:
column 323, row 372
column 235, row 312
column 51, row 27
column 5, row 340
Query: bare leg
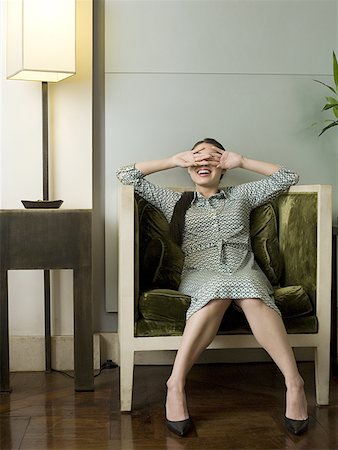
column 199, row 332
column 268, row 329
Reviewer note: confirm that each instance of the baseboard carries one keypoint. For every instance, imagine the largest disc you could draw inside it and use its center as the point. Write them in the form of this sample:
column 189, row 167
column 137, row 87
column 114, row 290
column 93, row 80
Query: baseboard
column 109, row 350
column 27, row 353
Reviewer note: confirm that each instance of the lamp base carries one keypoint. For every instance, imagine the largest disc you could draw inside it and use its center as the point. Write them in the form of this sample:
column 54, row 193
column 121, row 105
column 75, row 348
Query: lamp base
column 42, row 204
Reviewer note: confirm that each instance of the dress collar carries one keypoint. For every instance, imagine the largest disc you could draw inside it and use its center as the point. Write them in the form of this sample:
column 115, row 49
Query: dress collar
column 198, row 196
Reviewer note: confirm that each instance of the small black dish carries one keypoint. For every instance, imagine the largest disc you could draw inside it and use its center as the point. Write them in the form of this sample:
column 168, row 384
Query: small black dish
column 42, row 204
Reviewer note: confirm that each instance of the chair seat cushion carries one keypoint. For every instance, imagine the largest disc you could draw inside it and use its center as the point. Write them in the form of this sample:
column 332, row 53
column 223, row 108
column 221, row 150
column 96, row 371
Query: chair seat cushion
column 170, row 305
column 293, row 301
column 164, row 305
column 296, row 325
column 151, row 328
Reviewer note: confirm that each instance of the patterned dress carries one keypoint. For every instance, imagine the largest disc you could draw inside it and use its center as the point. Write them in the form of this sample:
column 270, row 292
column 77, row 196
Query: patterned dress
column 219, row 262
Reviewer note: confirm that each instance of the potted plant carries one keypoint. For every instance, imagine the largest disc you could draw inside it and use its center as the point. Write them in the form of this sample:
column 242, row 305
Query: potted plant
column 332, row 102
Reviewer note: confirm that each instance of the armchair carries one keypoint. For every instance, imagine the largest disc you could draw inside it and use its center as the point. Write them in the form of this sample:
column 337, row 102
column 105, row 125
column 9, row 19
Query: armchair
column 291, row 239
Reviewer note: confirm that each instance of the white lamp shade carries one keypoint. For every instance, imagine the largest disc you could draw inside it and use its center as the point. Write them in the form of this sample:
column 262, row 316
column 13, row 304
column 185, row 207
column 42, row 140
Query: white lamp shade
column 40, row 39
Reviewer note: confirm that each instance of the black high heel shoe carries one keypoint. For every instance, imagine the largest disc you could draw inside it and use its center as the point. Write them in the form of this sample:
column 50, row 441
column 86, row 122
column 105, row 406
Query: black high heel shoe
column 181, row 427
column 296, row 427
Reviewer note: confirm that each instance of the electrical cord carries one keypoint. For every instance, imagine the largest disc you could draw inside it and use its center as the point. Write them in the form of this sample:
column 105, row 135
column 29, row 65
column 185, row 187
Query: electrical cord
column 109, row 364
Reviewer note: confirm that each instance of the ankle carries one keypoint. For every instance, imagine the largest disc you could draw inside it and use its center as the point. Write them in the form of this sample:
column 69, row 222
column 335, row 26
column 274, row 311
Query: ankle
column 295, row 383
column 176, row 385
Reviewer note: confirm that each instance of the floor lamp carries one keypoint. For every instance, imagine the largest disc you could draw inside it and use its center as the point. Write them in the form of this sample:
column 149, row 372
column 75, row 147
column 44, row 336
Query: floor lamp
column 41, row 44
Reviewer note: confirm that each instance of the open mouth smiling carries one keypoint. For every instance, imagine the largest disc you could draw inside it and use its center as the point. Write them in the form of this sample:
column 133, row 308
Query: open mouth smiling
column 204, row 171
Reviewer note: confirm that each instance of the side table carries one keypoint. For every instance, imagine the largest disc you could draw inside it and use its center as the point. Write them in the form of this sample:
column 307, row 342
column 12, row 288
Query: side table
column 50, row 239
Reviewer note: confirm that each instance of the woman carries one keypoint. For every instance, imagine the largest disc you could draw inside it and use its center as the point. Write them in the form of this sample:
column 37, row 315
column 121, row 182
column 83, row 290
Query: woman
column 213, row 227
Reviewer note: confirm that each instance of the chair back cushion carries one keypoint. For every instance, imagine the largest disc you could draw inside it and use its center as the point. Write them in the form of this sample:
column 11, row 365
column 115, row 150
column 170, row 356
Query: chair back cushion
column 160, row 258
column 264, row 242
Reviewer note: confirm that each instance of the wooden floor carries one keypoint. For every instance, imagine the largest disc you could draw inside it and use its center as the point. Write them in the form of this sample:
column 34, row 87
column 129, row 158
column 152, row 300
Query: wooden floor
column 232, row 406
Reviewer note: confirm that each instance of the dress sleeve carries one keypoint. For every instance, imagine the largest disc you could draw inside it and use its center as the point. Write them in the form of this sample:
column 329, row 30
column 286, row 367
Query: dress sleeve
column 162, row 198
column 259, row 192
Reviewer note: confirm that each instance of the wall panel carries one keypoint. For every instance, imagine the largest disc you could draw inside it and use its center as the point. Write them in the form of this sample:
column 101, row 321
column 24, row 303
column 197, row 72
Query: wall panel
column 238, row 36
column 239, row 71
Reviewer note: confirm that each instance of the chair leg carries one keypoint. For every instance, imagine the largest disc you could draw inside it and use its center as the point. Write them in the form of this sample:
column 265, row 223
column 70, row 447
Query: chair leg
column 322, row 374
column 126, row 379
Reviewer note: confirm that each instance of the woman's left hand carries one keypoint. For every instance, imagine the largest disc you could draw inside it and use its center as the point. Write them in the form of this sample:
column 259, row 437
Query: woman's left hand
column 229, row 160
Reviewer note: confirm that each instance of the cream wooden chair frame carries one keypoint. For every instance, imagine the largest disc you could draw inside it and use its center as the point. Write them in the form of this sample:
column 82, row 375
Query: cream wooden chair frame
column 129, row 344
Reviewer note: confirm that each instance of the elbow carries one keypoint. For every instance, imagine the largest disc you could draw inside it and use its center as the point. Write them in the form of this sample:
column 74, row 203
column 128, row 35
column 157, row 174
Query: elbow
column 119, row 175
column 295, row 178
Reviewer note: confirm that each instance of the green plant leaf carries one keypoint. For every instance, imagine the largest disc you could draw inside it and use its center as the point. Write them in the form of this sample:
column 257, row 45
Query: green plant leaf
column 333, row 124
column 314, row 124
column 335, row 70
column 332, row 89
column 331, row 100
column 329, row 106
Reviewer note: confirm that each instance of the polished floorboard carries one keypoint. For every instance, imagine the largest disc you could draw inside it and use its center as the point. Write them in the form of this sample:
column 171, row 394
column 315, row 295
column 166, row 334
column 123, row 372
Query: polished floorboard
column 233, row 406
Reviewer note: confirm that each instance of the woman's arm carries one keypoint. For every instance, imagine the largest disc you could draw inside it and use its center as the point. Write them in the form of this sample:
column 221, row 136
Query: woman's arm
column 231, row 160
column 278, row 178
column 148, row 167
column 163, row 198
column 264, row 168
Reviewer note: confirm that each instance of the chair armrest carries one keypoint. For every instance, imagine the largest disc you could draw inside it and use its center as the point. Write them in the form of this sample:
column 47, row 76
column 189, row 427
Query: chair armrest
column 126, row 261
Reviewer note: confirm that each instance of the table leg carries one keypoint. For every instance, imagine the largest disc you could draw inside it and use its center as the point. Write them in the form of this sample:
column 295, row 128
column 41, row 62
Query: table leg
column 48, row 339
column 83, row 330
column 4, row 342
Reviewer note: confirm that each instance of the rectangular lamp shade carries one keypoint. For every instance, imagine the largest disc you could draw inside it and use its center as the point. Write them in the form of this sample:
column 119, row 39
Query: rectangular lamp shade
column 40, row 39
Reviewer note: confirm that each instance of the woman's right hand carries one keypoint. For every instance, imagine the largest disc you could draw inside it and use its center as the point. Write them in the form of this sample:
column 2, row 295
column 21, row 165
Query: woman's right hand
column 184, row 159
column 194, row 157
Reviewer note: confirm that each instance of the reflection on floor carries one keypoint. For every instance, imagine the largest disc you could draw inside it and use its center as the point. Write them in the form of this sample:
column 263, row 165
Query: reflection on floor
column 233, row 407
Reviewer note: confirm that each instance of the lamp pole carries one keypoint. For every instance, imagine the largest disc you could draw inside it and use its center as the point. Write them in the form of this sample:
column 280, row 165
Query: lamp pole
column 45, row 150
column 46, row 273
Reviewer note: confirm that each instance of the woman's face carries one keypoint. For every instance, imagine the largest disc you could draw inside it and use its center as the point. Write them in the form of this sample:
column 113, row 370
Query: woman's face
column 206, row 174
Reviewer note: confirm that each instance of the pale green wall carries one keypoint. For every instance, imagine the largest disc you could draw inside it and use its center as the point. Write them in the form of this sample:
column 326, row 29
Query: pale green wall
column 239, row 71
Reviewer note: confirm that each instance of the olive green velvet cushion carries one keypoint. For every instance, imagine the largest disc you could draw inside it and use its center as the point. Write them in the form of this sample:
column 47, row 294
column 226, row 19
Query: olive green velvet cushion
column 163, row 261
column 170, row 305
column 146, row 327
column 234, row 322
column 164, row 304
column 160, row 258
column 293, row 301
column 297, row 226
column 264, row 242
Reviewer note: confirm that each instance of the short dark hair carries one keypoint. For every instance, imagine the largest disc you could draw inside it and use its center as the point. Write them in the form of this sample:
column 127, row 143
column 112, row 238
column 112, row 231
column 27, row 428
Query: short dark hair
column 177, row 222
column 209, row 141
